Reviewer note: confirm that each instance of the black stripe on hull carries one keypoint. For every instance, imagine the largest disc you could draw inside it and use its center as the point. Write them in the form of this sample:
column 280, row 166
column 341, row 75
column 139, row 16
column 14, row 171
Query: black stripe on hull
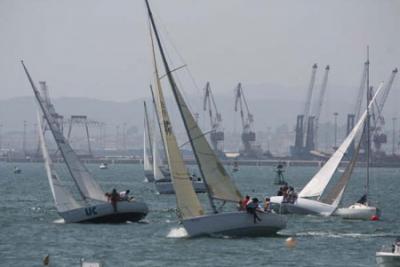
column 117, row 218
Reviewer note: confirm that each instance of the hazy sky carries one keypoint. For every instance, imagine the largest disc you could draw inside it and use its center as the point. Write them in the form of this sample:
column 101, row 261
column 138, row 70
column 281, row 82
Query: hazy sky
column 100, row 48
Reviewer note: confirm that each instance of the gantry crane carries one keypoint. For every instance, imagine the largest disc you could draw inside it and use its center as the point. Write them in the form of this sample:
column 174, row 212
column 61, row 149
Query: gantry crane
column 378, row 121
column 216, row 135
column 248, row 135
column 318, row 109
column 304, row 140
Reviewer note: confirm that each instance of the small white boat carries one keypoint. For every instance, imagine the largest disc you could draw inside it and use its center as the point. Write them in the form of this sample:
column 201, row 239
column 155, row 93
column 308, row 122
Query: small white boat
column 103, row 166
column 358, row 211
column 389, row 257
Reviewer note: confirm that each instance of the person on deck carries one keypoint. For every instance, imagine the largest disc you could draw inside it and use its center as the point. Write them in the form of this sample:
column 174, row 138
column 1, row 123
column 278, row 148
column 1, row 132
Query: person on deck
column 243, row 203
column 114, row 197
column 253, row 208
column 267, row 204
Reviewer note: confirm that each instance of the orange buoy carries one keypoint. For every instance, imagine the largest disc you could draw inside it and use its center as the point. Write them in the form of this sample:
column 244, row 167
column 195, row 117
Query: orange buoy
column 291, row 242
column 374, row 218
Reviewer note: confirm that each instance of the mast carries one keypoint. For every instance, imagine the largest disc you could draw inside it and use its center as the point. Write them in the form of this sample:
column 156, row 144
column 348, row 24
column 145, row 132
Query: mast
column 368, row 128
column 173, row 85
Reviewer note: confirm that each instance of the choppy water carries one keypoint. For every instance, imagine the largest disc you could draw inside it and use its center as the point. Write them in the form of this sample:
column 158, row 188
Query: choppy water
column 31, row 228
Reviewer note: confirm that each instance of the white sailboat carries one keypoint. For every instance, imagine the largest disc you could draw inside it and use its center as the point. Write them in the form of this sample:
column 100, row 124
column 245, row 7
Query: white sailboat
column 94, row 208
column 162, row 175
column 305, row 204
column 361, row 210
column 147, row 146
column 218, row 183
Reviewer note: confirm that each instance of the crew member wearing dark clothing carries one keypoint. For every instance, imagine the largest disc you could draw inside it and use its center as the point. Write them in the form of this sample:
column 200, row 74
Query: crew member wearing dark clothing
column 114, row 197
column 252, row 208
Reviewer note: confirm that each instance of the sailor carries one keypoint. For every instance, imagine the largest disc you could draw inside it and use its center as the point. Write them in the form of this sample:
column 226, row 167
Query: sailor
column 267, row 204
column 114, row 197
column 253, row 208
column 243, row 203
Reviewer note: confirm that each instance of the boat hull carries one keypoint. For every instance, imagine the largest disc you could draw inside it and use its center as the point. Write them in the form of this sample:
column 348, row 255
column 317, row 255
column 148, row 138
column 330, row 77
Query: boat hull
column 104, row 213
column 387, row 259
column 235, row 224
column 166, row 187
column 302, row 206
column 357, row 212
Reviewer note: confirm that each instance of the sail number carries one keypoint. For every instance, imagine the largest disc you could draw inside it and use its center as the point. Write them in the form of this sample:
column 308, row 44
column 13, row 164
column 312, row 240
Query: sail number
column 91, row 211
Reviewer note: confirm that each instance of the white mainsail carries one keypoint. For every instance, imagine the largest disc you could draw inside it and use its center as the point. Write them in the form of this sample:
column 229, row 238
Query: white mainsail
column 187, row 201
column 147, row 144
column 157, row 162
column 88, row 187
column 63, row 199
column 316, row 186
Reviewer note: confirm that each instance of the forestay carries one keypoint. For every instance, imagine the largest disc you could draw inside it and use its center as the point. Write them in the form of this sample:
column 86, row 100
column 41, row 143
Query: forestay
column 188, row 204
column 318, row 183
column 63, row 199
column 87, row 186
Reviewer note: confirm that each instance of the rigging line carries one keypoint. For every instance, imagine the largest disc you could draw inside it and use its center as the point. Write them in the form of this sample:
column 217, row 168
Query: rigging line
column 196, row 137
column 168, row 39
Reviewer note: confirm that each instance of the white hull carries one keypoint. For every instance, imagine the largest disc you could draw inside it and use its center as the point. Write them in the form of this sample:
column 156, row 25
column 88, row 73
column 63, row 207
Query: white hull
column 387, row 259
column 168, row 188
column 104, row 213
column 235, row 224
column 357, row 212
column 302, row 206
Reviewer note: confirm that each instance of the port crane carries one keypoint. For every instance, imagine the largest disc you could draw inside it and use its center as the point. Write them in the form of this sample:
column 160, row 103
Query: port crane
column 216, row 134
column 320, row 102
column 304, row 139
column 248, row 135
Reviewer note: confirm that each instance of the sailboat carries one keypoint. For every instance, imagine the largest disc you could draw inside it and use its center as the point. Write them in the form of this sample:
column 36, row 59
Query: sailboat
column 304, row 204
column 147, row 148
column 361, row 210
column 93, row 206
column 161, row 173
column 219, row 184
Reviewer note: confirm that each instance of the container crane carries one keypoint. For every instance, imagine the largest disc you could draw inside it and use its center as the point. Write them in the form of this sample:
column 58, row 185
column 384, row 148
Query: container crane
column 378, row 121
column 320, row 102
column 216, row 135
column 305, row 123
column 248, row 135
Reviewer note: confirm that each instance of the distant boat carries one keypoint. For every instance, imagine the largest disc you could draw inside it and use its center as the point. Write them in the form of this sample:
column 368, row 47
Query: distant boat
column 103, row 166
column 220, row 187
column 327, row 204
column 93, row 206
column 389, row 257
column 17, row 170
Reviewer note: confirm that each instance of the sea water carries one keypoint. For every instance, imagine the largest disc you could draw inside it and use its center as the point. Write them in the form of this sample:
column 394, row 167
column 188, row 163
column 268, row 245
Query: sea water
column 30, row 227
